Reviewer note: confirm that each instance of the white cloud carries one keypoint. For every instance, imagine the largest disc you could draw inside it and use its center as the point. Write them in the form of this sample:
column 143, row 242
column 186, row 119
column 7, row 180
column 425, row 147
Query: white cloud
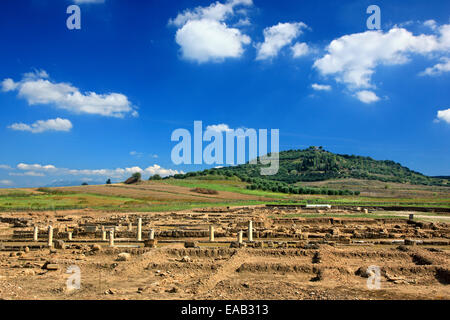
column 37, row 90
column 438, row 68
column 204, row 36
column 35, row 167
column 125, row 172
column 156, row 169
column 9, row 85
column 136, row 154
column 300, row 49
column 6, row 182
column 119, row 173
column 367, row 96
column 352, row 59
column 216, row 11
column 28, row 173
column 5, row 167
column 276, row 37
column 243, row 23
column 40, row 126
column 321, row 87
column 444, row 115
column 219, row 128
column 88, row 1
column 430, row 24
column 209, row 40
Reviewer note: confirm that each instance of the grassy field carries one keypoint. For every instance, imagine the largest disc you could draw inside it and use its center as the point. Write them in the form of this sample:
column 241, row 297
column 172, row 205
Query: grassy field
column 173, row 195
column 225, row 185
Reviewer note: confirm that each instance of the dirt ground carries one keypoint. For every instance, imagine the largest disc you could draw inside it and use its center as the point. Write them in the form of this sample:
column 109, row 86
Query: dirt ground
column 289, row 258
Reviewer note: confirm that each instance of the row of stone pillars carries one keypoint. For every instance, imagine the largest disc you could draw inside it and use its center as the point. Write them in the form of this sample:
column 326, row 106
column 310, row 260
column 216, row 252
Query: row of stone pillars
column 111, row 234
column 240, row 233
column 139, row 234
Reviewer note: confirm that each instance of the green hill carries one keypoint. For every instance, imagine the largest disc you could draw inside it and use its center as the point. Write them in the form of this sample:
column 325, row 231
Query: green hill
column 317, row 164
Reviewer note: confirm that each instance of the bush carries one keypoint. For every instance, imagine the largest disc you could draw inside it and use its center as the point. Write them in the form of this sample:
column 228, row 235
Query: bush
column 137, row 176
column 204, row 191
column 155, row 177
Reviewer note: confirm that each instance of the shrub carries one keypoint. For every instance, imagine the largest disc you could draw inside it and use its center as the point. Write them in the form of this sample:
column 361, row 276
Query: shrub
column 137, row 176
column 204, row 191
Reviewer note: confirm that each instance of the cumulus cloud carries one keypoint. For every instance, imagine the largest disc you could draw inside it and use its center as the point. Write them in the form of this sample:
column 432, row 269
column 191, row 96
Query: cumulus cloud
column 88, row 1
column 367, row 96
column 118, row 173
column 28, row 173
column 6, row 182
column 219, row 128
column 352, row 59
column 9, row 85
column 300, row 49
column 277, row 37
column 438, row 69
column 444, row 115
column 40, row 126
column 204, row 36
column 245, row 22
column 37, row 89
column 321, row 87
column 35, row 167
column 156, row 169
column 209, row 40
column 216, row 11
column 432, row 24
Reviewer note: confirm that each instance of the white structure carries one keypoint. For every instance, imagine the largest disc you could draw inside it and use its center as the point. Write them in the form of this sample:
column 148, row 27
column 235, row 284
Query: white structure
column 240, row 236
column 35, row 233
column 250, row 230
column 211, row 233
column 139, row 230
column 152, row 234
column 111, row 238
column 50, row 236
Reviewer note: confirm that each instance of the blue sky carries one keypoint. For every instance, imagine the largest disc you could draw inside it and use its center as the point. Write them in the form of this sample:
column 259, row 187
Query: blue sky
column 103, row 101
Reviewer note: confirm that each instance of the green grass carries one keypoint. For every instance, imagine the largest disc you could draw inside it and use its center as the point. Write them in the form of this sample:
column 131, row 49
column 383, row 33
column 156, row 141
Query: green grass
column 56, row 199
column 163, row 207
column 71, row 201
column 365, row 201
column 340, row 215
column 224, row 185
column 66, row 201
column 427, row 216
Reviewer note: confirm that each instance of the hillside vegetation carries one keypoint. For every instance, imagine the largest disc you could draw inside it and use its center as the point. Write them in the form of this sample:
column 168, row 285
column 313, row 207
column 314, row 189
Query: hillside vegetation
column 317, row 164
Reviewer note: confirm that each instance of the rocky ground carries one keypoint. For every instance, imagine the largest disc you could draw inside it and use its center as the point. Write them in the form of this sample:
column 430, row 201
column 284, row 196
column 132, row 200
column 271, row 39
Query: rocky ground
column 295, row 258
